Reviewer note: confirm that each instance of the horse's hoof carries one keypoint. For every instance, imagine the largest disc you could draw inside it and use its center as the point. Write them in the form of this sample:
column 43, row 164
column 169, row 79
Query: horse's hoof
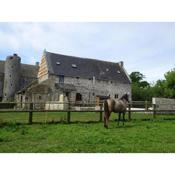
column 106, row 126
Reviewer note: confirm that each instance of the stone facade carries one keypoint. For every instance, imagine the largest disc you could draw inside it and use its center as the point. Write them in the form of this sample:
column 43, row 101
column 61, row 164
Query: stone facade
column 1, row 85
column 91, row 90
column 14, row 76
column 11, row 77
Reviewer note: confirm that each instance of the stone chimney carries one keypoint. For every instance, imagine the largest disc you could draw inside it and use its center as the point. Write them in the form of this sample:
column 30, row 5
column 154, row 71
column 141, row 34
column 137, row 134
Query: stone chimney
column 121, row 64
column 37, row 63
column 93, row 80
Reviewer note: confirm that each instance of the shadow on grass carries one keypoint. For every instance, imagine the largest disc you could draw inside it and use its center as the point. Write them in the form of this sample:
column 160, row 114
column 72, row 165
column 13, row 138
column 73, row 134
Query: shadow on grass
column 4, row 124
column 121, row 127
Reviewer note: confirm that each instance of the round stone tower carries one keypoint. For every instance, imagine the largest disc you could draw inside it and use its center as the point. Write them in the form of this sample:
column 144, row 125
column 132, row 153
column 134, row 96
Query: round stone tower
column 11, row 77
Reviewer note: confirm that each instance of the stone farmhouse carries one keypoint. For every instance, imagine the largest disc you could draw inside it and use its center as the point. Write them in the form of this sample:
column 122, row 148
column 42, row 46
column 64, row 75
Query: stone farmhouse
column 67, row 78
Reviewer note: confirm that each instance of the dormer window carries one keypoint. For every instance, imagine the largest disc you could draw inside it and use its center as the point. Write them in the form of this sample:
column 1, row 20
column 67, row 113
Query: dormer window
column 74, row 65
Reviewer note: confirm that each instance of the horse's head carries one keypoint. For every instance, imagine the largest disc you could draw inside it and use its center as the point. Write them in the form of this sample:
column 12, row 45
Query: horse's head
column 125, row 97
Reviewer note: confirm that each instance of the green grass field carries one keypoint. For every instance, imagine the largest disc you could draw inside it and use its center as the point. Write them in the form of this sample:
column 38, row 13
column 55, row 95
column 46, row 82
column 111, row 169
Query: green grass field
column 85, row 134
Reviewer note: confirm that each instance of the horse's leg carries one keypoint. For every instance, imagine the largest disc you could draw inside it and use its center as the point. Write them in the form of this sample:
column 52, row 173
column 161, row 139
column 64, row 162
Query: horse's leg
column 106, row 117
column 119, row 115
column 123, row 118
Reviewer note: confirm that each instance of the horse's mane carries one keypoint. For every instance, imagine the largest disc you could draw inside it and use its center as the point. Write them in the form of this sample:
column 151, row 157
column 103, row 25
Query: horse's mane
column 125, row 96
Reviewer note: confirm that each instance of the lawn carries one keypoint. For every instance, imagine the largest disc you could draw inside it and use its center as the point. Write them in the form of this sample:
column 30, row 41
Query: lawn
column 85, row 134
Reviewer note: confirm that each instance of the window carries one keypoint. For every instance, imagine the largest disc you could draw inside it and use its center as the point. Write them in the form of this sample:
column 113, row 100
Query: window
column 78, row 97
column 39, row 97
column 58, row 63
column 61, row 78
column 67, row 94
column 26, row 98
column 77, row 79
column 116, row 96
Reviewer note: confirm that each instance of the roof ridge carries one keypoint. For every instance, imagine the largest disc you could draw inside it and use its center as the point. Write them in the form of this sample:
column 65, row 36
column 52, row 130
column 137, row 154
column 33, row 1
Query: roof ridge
column 28, row 64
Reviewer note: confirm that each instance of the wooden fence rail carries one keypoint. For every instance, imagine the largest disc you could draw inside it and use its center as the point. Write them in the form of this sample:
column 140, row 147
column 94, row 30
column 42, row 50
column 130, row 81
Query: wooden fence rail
column 130, row 110
column 30, row 113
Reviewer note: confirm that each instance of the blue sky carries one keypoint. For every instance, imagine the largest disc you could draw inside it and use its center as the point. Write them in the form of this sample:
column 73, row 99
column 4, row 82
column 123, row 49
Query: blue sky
column 145, row 47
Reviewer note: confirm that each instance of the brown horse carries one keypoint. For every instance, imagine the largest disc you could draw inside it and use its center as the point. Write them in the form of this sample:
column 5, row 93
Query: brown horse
column 116, row 106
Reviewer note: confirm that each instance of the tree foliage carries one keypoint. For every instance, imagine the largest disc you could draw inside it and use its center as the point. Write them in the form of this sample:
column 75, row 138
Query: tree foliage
column 136, row 77
column 139, row 87
column 141, row 90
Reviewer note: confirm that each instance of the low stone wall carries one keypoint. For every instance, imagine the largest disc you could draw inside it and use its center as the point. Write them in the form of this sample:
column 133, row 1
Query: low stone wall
column 164, row 103
column 55, row 105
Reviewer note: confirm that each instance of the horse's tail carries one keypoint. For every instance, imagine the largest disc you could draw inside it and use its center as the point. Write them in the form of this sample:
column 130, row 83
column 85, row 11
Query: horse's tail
column 106, row 108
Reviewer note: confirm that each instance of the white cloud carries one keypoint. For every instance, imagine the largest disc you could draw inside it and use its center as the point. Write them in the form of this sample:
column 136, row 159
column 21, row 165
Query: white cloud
column 146, row 47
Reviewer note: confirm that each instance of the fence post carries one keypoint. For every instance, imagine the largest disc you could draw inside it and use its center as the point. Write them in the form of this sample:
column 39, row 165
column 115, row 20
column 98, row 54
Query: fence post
column 129, row 111
column 101, row 113
column 68, row 113
column 154, row 110
column 146, row 105
column 30, row 113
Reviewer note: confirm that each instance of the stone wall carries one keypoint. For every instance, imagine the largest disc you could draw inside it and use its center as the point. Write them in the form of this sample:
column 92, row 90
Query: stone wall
column 164, row 103
column 48, row 91
column 24, row 81
column 90, row 88
column 1, row 85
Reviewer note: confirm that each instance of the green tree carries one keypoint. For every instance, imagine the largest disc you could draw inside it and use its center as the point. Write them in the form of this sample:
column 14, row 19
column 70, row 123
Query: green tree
column 170, row 79
column 170, row 83
column 139, row 87
column 136, row 77
column 141, row 90
column 159, row 88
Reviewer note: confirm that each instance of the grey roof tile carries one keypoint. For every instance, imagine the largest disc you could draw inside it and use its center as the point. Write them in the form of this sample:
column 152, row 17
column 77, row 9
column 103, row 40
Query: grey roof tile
column 85, row 68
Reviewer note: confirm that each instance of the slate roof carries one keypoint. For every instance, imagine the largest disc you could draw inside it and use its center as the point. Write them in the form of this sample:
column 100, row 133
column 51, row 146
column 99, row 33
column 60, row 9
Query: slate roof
column 59, row 64
column 29, row 70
